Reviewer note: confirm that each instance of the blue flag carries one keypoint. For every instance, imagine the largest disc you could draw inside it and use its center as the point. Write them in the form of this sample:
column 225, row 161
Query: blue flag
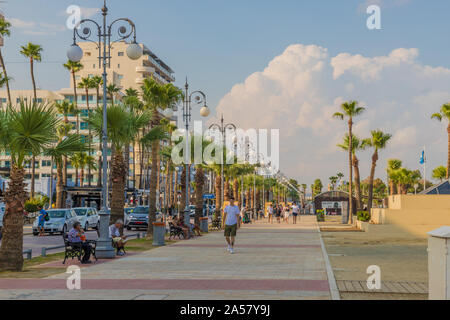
column 422, row 158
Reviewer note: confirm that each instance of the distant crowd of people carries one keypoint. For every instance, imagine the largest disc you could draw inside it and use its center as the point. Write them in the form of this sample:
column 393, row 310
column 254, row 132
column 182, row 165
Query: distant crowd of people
column 283, row 212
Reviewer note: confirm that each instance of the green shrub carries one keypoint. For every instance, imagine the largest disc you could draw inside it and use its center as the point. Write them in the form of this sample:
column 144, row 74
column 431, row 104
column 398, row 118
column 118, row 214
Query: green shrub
column 320, row 215
column 363, row 216
column 31, row 205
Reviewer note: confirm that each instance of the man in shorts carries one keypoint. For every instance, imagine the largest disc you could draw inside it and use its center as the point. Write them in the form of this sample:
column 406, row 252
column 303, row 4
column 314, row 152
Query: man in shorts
column 270, row 213
column 231, row 222
column 118, row 239
column 295, row 212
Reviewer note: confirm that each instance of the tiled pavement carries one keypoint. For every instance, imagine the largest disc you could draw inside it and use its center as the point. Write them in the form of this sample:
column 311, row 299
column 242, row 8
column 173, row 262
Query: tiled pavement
column 272, row 261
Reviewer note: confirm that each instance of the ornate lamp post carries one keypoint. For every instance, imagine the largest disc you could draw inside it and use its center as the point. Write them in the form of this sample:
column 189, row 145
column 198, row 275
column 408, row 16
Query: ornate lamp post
column 222, row 128
column 102, row 35
column 199, row 98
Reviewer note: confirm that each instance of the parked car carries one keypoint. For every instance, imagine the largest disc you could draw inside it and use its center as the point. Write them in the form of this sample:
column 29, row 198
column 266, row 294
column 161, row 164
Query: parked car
column 138, row 218
column 60, row 221
column 88, row 217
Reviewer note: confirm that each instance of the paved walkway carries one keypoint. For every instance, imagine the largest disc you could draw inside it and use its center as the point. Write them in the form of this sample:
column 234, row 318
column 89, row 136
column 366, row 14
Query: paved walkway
column 272, row 261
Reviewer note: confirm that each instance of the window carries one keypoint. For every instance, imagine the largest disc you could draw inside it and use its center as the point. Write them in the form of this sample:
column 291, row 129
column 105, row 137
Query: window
column 46, row 163
column 7, row 164
column 120, row 76
column 120, row 54
column 84, row 126
column 84, row 113
column 93, row 66
column 3, row 100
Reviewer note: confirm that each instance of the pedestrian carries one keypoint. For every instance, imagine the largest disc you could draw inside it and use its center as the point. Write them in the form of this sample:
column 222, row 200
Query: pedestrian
column 295, row 212
column 279, row 209
column 43, row 216
column 286, row 214
column 118, row 238
column 230, row 223
column 270, row 213
column 76, row 235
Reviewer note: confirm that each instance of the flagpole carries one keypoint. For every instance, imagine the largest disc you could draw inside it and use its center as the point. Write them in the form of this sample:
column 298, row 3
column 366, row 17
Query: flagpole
column 424, row 169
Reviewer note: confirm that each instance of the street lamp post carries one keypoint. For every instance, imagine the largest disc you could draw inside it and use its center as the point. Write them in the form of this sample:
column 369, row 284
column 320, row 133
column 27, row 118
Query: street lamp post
column 199, row 98
column 75, row 53
column 223, row 129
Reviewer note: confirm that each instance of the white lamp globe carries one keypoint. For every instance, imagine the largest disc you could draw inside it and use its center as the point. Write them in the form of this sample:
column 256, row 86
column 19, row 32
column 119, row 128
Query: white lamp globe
column 134, row 51
column 75, row 53
column 204, row 112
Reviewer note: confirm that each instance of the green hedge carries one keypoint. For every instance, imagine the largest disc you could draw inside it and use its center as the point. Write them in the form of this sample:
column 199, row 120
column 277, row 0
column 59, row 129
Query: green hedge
column 363, row 216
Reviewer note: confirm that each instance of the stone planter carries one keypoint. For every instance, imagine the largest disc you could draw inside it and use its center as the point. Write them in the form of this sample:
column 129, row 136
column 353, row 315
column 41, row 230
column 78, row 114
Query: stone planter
column 159, row 234
column 204, row 224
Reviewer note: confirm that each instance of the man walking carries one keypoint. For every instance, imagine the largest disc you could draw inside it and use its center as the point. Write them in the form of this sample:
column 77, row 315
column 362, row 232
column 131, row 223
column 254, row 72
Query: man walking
column 231, row 222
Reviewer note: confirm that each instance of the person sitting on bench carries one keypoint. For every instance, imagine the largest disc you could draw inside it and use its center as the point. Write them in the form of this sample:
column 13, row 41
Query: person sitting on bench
column 118, row 239
column 76, row 236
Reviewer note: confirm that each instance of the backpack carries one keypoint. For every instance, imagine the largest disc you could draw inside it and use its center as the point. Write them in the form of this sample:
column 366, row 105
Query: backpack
column 46, row 217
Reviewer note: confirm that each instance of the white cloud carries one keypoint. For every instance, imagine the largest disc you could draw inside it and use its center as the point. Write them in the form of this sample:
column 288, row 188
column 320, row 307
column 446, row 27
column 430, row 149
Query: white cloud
column 34, row 28
column 89, row 12
column 21, row 24
column 299, row 91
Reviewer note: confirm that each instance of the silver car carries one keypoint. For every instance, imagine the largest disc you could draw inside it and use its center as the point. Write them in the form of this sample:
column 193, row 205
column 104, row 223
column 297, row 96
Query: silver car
column 88, row 217
column 60, row 221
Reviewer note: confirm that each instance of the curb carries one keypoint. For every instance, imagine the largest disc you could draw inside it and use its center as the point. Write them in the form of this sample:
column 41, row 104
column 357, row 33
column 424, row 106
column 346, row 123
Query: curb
column 330, row 275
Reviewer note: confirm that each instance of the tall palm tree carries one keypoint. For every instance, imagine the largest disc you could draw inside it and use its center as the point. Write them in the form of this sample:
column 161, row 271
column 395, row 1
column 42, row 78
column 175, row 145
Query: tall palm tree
column 357, row 145
column 32, row 52
column 29, row 128
column 86, row 84
column 112, row 90
column 378, row 141
column 350, row 110
column 5, row 27
column 82, row 160
column 122, row 128
column 445, row 114
column 157, row 97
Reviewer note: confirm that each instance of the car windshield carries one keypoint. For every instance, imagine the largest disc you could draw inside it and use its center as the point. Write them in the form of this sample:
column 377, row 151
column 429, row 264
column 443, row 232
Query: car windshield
column 57, row 214
column 80, row 211
column 140, row 210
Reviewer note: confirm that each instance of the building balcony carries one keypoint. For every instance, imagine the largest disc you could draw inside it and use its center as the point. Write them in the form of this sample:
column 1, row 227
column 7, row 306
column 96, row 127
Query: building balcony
column 144, row 69
column 140, row 80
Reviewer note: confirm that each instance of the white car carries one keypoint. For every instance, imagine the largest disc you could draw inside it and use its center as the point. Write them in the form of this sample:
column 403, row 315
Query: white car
column 60, row 221
column 88, row 217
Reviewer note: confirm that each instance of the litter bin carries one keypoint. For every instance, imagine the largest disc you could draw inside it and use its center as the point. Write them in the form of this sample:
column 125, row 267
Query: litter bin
column 159, row 234
column 204, row 224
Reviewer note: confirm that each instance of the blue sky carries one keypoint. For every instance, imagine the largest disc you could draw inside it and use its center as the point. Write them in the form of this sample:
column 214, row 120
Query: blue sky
column 219, row 44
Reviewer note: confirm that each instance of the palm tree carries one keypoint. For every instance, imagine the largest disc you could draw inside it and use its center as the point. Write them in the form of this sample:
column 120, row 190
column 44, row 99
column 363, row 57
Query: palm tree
column 86, row 84
column 29, row 128
column 350, row 110
column 4, row 81
column 357, row 145
column 66, row 145
column 122, row 128
column 112, row 90
column 333, row 181
column 82, row 160
column 378, row 141
column 393, row 166
column 32, row 52
column 157, row 97
column 445, row 114
column 440, row 173
column 5, row 27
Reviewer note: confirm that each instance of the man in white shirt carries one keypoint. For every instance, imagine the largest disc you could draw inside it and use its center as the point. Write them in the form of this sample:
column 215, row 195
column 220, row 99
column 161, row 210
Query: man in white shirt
column 230, row 223
column 118, row 240
column 270, row 213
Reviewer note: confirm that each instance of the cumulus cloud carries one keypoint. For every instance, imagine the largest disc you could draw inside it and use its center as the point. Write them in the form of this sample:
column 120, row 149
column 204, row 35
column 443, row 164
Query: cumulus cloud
column 299, row 91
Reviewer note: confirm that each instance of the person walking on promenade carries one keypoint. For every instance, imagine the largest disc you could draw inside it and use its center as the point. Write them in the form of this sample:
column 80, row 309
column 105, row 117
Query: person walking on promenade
column 279, row 209
column 295, row 212
column 231, row 222
column 286, row 214
column 270, row 213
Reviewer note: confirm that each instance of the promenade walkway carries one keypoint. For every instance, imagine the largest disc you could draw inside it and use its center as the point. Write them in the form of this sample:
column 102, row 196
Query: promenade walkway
column 272, row 261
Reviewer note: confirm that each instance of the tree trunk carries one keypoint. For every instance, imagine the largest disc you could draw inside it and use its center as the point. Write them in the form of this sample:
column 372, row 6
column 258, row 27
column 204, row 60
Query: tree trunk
column 391, row 187
column 236, row 189
column 258, row 200
column 199, row 184
column 226, row 187
column 153, row 186
column 59, row 186
column 118, row 186
column 175, row 190
column 357, row 183
column 183, row 193
column 89, row 138
column 6, row 77
column 75, row 97
column 247, row 198
column 82, row 177
column 11, row 250
column 33, row 172
column 371, row 178
column 350, row 179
